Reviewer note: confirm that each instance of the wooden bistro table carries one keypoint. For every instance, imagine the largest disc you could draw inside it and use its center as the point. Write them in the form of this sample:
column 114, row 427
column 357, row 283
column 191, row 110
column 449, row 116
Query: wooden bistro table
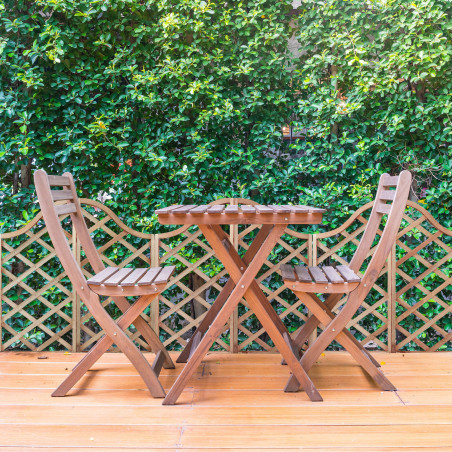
column 242, row 283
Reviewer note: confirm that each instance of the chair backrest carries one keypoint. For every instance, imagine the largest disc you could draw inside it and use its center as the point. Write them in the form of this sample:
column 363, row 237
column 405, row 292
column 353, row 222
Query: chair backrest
column 52, row 209
column 391, row 199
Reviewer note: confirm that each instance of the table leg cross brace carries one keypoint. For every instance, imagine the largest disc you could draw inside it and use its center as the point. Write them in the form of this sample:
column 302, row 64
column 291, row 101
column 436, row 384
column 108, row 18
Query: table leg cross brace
column 245, row 286
column 219, row 302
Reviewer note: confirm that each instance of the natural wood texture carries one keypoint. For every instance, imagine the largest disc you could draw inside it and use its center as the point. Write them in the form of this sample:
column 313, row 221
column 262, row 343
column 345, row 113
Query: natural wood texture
column 77, row 331
column 210, row 418
column 241, row 218
column 243, row 275
column 107, row 283
column 127, row 282
column 245, row 285
column 334, row 326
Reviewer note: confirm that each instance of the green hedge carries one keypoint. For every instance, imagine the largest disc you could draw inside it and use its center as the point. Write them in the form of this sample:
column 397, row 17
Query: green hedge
column 181, row 101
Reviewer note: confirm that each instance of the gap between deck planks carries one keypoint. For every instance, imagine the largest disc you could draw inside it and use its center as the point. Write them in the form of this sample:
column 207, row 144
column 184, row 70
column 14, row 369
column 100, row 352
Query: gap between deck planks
column 234, row 402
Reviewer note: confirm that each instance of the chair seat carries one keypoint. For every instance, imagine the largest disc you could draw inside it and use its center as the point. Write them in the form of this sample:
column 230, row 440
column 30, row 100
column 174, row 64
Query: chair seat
column 114, row 281
column 326, row 279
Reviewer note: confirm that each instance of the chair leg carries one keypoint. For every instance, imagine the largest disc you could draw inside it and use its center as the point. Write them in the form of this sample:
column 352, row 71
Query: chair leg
column 313, row 322
column 324, row 315
column 115, row 334
column 150, row 336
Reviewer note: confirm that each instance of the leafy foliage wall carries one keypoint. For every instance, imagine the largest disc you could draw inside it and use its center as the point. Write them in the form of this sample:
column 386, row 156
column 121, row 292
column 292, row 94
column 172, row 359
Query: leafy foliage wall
column 155, row 102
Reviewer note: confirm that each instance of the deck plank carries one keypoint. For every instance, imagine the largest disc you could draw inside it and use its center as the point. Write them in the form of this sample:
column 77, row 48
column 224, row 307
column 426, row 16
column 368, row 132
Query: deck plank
column 269, row 437
column 253, row 381
column 233, row 402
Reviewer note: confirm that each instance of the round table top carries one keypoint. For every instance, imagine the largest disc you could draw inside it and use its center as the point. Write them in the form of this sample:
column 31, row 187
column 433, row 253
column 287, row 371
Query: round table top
column 239, row 214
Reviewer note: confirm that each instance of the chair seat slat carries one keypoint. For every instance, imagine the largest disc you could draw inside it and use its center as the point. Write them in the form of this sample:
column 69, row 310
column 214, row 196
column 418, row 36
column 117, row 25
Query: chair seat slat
column 317, row 275
column 134, row 277
column 64, row 209
column 118, row 277
column 347, row 273
column 149, row 276
column 333, row 276
column 164, row 275
column 287, row 272
column 100, row 277
column 303, row 274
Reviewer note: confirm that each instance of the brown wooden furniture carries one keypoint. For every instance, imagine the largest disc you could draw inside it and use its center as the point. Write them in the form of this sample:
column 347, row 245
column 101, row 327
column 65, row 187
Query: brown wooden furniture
column 117, row 283
column 242, row 281
column 305, row 282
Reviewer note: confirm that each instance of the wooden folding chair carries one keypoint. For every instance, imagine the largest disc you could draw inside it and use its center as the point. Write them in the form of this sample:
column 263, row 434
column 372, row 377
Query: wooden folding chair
column 306, row 282
column 146, row 283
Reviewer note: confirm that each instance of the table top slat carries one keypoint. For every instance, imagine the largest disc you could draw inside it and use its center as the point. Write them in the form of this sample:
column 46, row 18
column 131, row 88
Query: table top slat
column 231, row 210
column 167, row 210
column 199, row 210
column 183, row 209
column 281, row 209
column 239, row 214
column 215, row 209
column 264, row 209
column 246, row 209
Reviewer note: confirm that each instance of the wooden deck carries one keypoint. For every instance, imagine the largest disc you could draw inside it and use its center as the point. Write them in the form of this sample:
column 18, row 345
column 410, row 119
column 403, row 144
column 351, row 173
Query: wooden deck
column 234, row 402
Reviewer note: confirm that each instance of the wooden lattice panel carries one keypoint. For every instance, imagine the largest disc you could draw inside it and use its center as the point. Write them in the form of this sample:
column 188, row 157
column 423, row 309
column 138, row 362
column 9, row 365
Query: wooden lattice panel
column 36, row 294
column 423, row 283
column 409, row 308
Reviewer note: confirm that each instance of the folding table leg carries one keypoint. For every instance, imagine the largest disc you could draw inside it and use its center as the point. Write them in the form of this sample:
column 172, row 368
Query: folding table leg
column 206, row 321
column 243, row 264
column 244, row 287
column 257, row 300
column 326, row 316
column 224, row 294
column 115, row 334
